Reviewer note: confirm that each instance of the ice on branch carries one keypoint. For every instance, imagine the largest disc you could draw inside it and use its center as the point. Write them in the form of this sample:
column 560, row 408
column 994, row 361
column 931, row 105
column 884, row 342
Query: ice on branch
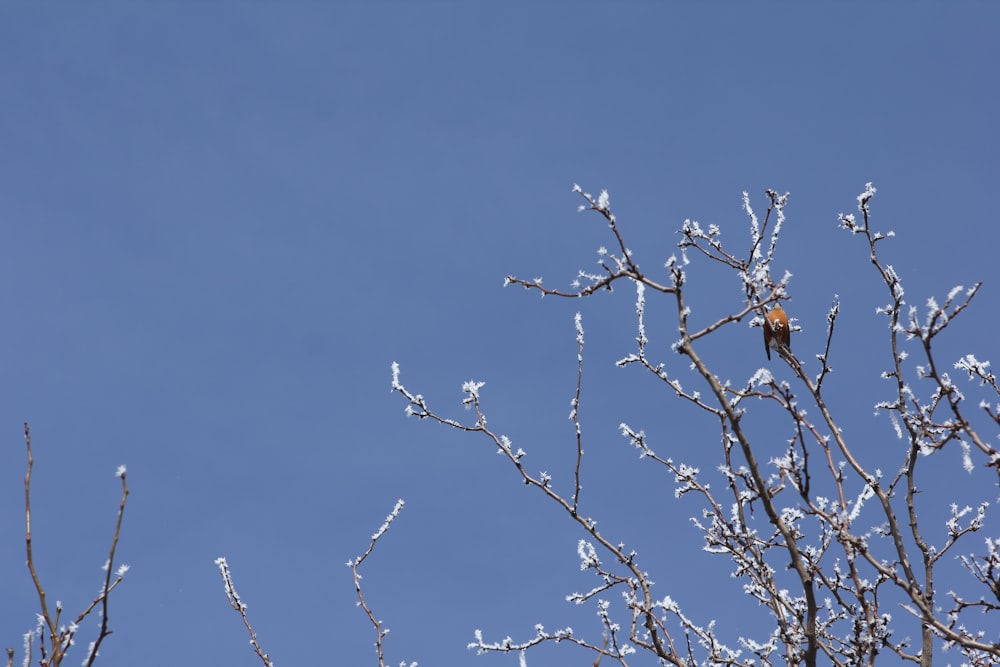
column 761, row 377
column 638, row 439
column 933, row 312
column 955, row 528
column 976, row 368
column 693, row 228
column 866, row 196
column 867, row 492
column 471, row 389
column 779, row 202
column 640, row 306
column 686, row 478
column 754, row 224
column 396, row 509
column 847, row 222
column 227, row 580
column 588, row 555
column 507, row 644
column 603, row 200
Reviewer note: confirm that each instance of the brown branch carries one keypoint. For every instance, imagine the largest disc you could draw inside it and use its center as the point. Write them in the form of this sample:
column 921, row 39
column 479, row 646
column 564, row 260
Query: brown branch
column 31, row 558
column 644, row 606
column 798, row 563
column 236, row 603
column 107, row 574
column 355, row 564
column 60, row 640
column 576, row 412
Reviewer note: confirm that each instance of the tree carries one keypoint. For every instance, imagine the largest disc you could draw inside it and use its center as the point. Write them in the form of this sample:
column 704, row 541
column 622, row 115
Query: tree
column 838, row 553
column 845, row 561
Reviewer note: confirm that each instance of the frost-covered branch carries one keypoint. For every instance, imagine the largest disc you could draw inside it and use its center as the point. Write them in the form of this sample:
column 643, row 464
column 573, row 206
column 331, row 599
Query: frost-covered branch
column 816, row 533
column 614, row 266
column 380, row 630
column 237, row 603
column 640, row 599
column 53, row 637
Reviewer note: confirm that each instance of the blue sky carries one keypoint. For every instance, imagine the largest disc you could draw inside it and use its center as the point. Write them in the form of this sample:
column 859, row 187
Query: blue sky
column 222, row 222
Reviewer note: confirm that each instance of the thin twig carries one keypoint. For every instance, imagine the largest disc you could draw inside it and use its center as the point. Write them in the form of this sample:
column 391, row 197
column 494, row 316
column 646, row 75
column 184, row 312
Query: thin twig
column 576, row 410
column 31, row 558
column 107, row 575
column 355, row 564
column 236, row 603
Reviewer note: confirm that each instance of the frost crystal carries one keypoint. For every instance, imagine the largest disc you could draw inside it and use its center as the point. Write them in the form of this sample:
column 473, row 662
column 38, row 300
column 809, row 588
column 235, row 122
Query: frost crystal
column 604, row 200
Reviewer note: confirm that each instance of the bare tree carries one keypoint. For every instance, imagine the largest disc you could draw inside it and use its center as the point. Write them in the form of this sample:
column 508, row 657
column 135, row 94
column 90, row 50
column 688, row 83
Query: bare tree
column 863, row 563
column 52, row 636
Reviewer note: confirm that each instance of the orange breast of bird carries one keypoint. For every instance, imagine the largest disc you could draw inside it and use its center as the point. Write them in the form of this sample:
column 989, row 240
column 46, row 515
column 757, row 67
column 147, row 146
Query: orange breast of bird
column 776, row 331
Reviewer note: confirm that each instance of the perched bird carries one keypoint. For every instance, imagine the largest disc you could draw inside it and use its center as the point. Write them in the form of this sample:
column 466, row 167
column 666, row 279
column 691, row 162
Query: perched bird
column 776, row 331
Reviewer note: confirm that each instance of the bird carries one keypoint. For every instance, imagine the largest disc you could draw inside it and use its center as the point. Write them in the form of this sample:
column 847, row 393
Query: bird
column 776, row 331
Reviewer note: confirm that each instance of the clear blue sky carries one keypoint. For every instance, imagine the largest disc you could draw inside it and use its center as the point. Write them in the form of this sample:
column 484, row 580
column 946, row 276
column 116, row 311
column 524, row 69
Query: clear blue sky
column 221, row 222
